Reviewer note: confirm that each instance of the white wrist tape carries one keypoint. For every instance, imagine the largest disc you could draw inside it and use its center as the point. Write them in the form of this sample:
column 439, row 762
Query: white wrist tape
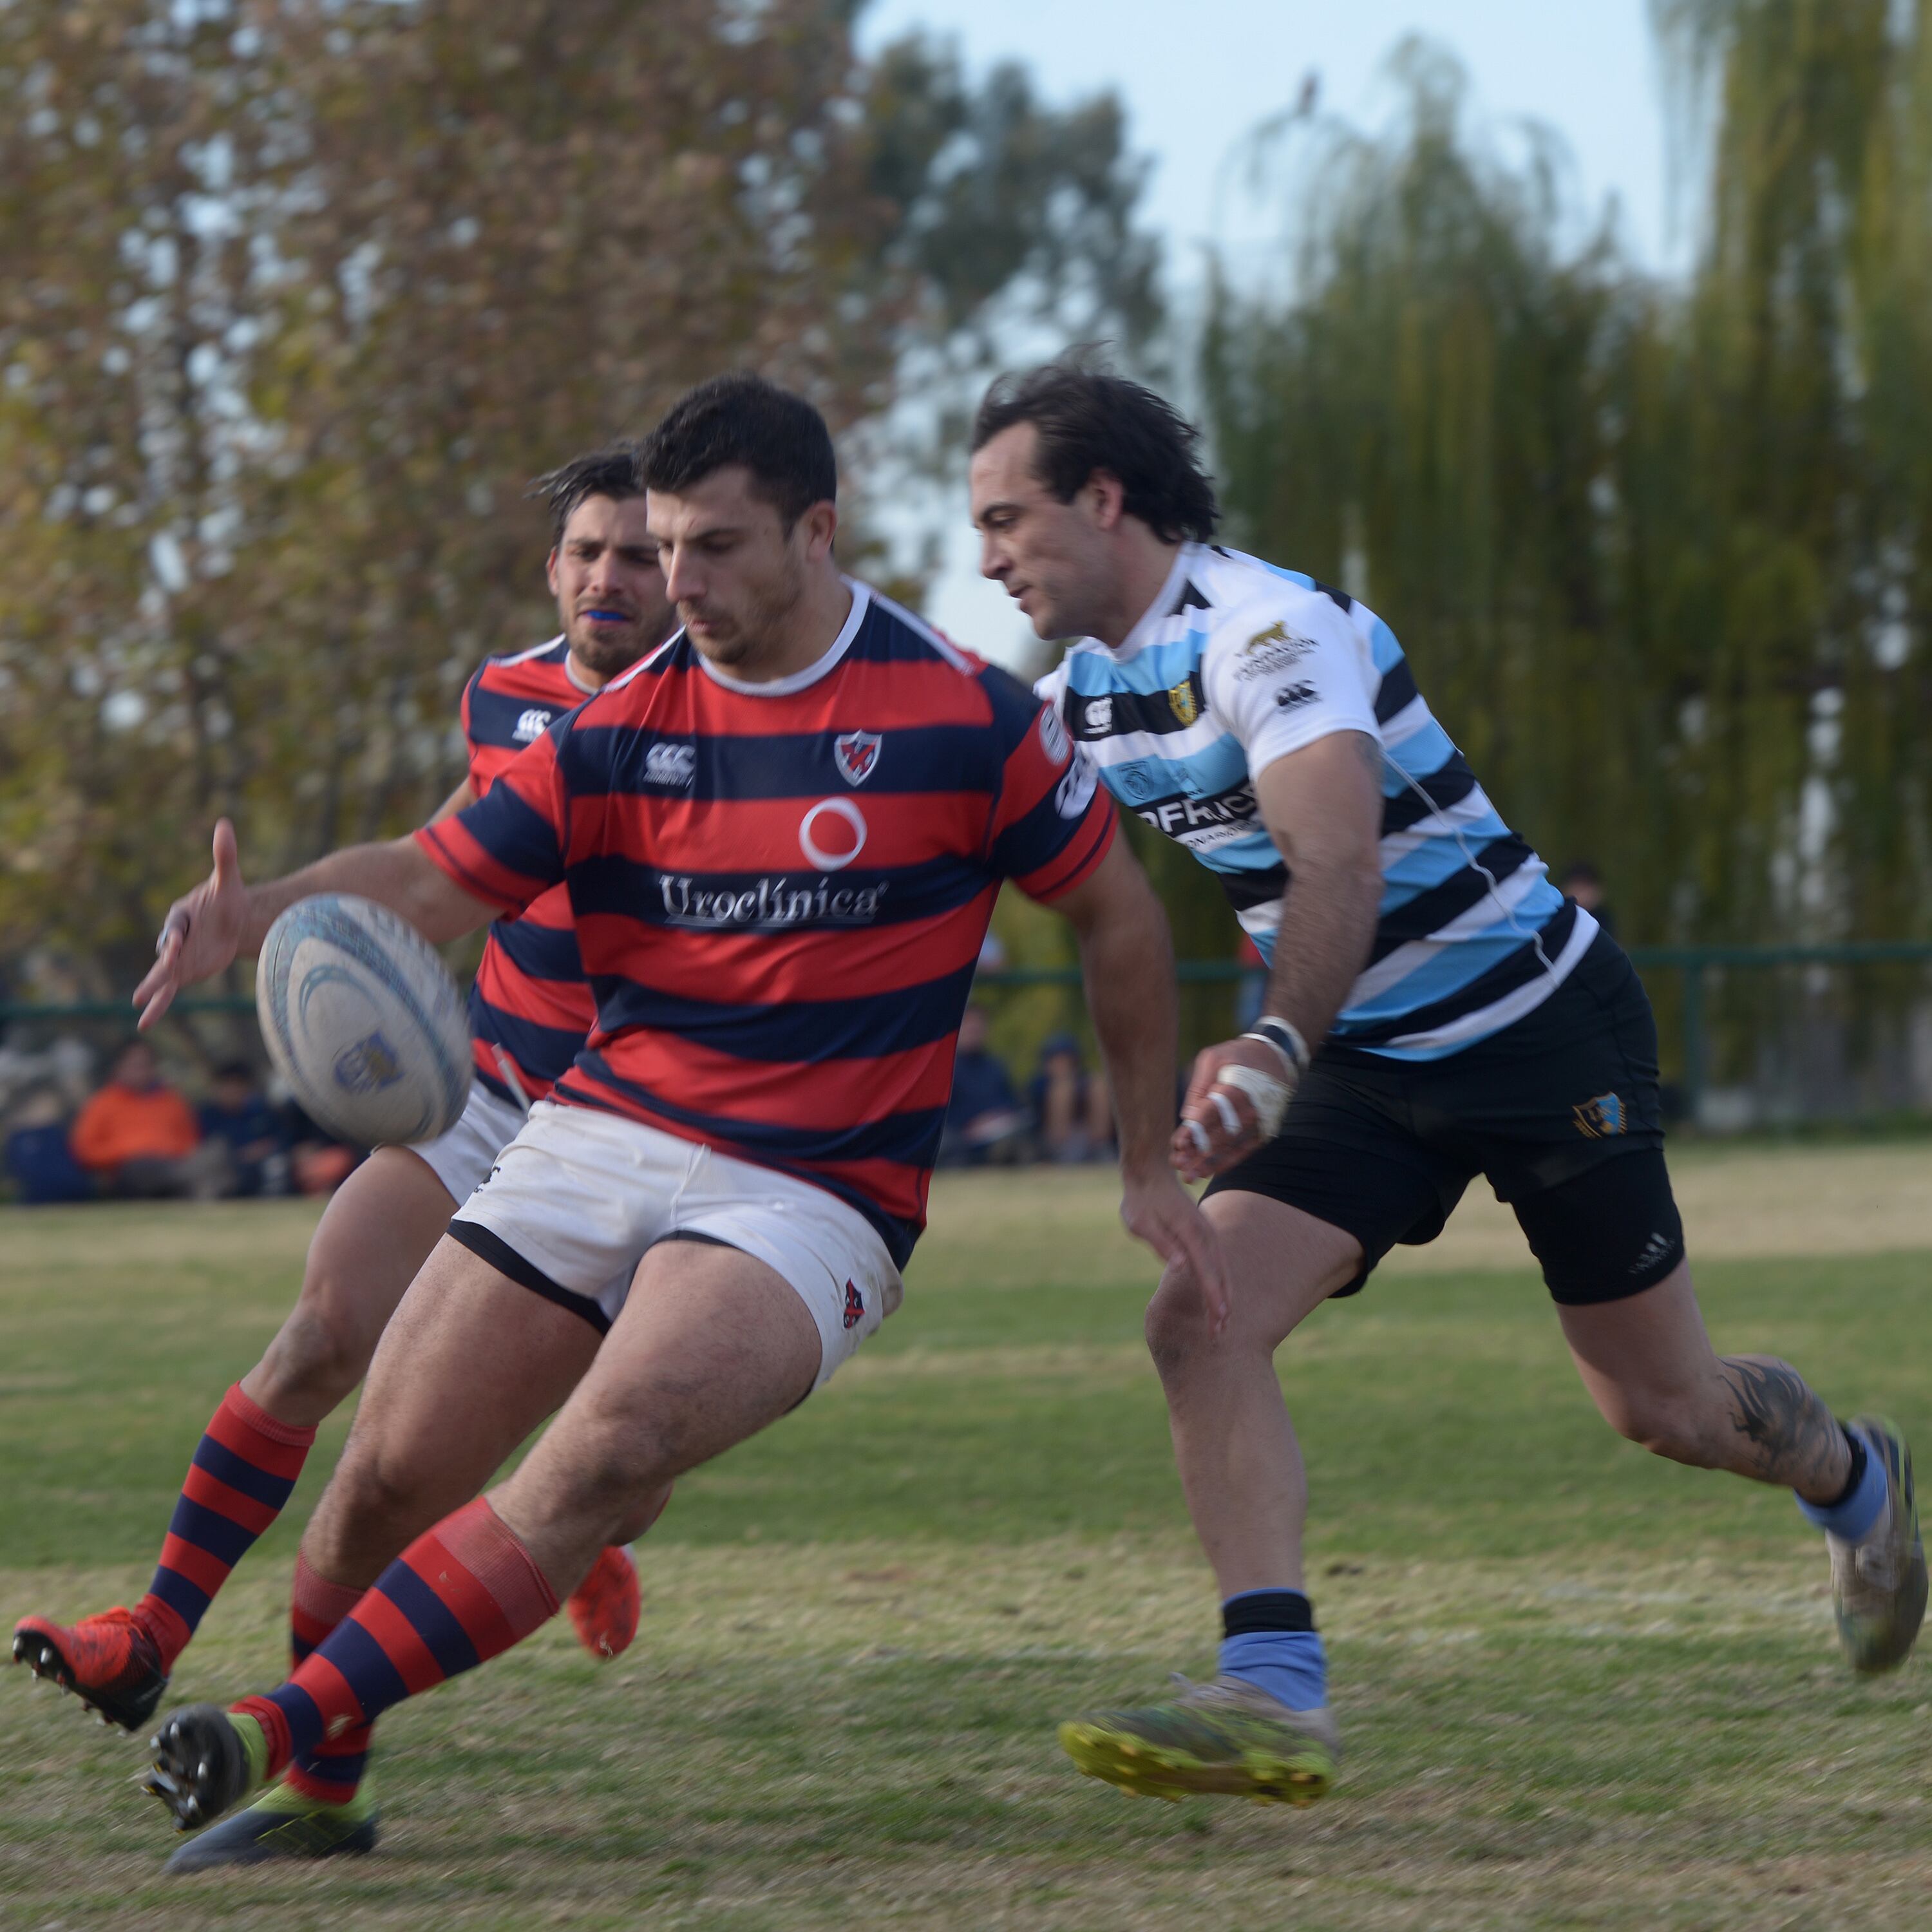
column 1268, row 1096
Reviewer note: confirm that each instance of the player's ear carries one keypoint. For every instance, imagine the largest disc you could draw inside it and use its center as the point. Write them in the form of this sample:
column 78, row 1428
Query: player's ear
column 1107, row 497
column 819, row 526
column 549, row 572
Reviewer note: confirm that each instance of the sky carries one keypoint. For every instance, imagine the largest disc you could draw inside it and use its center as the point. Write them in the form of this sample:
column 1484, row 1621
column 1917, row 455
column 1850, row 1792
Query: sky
column 1196, row 77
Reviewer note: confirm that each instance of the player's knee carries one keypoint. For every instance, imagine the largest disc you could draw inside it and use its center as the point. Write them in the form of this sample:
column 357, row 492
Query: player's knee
column 1662, row 1420
column 316, row 1358
column 1176, row 1327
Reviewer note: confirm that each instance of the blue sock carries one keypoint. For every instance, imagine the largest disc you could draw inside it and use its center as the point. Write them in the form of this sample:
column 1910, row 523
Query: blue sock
column 1271, row 1641
column 1854, row 1512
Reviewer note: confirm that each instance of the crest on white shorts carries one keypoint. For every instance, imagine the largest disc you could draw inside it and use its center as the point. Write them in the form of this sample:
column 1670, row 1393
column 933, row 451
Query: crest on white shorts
column 855, row 754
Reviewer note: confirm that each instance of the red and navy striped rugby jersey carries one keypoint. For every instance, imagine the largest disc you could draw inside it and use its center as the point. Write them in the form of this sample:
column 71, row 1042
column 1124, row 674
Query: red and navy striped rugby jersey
column 530, row 1001
column 780, row 889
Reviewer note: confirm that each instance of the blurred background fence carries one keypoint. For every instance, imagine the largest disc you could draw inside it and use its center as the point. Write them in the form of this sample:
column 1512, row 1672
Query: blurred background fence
column 1752, row 1038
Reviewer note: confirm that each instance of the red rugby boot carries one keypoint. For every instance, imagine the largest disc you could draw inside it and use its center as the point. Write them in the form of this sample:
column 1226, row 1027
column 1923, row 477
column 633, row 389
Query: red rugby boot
column 604, row 1608
column 109, row 1662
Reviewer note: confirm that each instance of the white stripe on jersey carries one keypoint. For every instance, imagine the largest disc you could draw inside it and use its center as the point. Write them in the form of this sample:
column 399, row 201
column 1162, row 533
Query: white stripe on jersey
column 1468, row 1028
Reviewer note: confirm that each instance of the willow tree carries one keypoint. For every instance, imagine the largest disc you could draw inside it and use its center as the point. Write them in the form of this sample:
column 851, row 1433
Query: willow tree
column 1659, row 553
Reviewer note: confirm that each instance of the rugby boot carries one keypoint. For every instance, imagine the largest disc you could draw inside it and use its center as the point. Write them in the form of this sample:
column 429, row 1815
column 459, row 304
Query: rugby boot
column 206, row 1760
column 1878, row 1583
column 604, row 1607
column 110, row 1662
column 1227, row 1737
column 282, row 1825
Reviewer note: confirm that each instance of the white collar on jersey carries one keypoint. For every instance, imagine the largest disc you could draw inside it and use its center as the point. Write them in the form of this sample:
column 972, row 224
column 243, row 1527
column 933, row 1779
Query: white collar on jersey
column 1147, row 630
column 783, row 687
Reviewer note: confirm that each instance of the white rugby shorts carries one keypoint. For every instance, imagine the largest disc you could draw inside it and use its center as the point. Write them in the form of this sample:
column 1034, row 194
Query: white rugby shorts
column 462, row 1158
column 580, row 1196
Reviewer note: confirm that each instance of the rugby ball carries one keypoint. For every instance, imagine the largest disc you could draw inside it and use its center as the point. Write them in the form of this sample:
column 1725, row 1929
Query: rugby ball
column 363, row 1020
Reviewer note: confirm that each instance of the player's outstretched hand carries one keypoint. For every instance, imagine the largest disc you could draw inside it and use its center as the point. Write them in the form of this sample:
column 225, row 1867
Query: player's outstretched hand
column 1222, row 1120
column 1157, row 1210
column 200, row 935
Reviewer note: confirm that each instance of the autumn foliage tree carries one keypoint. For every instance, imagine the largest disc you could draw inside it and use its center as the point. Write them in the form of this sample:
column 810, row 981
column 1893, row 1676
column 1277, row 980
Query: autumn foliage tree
column 294, row 297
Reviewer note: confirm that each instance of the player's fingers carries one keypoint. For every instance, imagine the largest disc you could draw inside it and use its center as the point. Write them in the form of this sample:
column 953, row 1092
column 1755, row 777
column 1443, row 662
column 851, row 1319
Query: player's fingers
column 1201, row 1248
column 227, row 855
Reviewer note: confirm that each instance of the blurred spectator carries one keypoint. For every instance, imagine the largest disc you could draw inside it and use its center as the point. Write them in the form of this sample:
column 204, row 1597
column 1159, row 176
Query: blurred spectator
column 1072, row 1111
column 985, row 1122
column 139, row 1139
column 1584, row 884
column 319, row 1162
column 992, row 953
column 240, row 1118
column 38, row 1160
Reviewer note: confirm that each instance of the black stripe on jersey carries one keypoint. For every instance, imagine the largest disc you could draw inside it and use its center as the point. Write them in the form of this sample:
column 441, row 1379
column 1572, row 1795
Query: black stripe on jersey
column 1429, row 912
column 1181, row 812
column 1190, row 599
column 1397, row 692
column 506, row 722
column 540, row 952
column 1515, row 969
column 1127, row 711
column 1423, row 798
column 1247, row 890
column 1339, row 598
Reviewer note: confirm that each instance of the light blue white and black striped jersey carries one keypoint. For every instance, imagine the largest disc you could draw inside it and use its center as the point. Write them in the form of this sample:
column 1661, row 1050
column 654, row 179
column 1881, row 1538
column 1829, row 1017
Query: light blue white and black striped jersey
column 1238, row 663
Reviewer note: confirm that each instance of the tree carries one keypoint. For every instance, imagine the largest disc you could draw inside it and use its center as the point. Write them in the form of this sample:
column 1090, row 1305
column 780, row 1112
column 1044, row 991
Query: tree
column 294, row 296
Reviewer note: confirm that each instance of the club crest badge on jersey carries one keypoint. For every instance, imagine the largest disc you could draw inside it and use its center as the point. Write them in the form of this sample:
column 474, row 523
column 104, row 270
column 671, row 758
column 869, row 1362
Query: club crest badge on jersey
column 856, row 754
column 1185, row 705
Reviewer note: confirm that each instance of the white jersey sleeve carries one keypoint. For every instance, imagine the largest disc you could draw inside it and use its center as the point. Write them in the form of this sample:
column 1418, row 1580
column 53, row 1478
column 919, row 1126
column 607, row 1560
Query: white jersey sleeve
column 1281, row 672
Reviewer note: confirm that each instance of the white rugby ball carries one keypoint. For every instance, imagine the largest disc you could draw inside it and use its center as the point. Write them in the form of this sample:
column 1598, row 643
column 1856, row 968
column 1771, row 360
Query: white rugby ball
column 363, row 1020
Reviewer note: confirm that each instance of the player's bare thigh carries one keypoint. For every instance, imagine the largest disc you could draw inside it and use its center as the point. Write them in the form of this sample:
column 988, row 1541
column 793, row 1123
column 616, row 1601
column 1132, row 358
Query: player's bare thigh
column 1282, row 1264
column 376, row 1232
column 711, row 1347
column 468, row 1366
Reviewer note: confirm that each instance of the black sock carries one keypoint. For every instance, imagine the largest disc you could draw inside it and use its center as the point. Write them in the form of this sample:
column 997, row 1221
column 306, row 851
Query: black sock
column 1256, row 1610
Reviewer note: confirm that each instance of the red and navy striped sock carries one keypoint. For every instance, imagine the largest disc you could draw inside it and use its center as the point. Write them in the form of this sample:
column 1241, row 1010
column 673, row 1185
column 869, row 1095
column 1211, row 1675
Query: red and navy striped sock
column 461, row 1594
column 331, row 1773
column 241, row 1475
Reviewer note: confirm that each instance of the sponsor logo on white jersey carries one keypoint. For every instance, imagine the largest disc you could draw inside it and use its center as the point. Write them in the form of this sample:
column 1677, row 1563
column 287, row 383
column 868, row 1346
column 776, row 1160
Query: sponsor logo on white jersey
column 533, row 724
column 856, row 755
column 671, row 764
column 1290, row 695
column 1273, row 650
column 1099, row 715
column 1202, row 823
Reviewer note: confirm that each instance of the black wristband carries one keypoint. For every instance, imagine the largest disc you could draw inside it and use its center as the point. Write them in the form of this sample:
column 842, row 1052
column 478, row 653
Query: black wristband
column 1278, row 1033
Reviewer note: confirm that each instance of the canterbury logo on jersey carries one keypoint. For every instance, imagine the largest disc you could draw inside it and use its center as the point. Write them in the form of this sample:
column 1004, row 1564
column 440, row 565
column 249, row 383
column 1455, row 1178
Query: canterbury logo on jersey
column 1202, row 824
column 1121, row 712
column 671, row 764
column 532, row 725
column 773, row 903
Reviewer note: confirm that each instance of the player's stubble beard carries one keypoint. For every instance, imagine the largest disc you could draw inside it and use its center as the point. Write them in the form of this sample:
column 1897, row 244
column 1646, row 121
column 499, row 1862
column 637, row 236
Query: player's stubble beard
column 608, row 650
column 759, row 630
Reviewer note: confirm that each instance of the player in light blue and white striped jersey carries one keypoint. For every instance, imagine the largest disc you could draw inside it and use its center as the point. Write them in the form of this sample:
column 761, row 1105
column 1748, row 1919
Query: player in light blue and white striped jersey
column 1436, row 1009
column 1237, row 664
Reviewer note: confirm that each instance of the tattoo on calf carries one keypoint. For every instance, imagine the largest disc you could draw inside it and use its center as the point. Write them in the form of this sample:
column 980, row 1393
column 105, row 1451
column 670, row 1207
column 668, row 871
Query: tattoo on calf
column 1795, row 1439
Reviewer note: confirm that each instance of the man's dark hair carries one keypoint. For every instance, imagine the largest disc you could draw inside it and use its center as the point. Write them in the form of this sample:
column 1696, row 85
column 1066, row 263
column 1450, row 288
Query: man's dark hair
column 1088, row 419
column 615, row 472
column 741, row 419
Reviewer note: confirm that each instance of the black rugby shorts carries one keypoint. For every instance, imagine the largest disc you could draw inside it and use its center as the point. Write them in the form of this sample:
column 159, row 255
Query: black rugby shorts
column 1559, row 1111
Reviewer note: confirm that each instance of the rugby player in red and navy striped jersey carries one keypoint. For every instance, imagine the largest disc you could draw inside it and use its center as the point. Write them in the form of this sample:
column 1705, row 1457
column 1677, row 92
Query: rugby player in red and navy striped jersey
column 782, row 836
column 529, row 1013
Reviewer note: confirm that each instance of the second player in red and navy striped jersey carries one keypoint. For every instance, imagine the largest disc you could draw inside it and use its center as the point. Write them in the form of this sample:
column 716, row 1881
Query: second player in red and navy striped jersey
column 780, row 889
column 529, row 1008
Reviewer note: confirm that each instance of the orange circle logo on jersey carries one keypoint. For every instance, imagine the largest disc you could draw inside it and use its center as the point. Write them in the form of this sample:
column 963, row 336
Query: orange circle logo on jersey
column 832, row 834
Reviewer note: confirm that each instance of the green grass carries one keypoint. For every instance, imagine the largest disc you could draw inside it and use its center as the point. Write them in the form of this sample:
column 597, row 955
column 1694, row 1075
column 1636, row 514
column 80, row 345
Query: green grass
column 1580, row 1687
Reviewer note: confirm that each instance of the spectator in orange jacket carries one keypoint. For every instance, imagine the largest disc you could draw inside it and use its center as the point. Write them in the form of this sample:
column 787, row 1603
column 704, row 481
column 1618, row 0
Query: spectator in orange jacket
column 139, row 1138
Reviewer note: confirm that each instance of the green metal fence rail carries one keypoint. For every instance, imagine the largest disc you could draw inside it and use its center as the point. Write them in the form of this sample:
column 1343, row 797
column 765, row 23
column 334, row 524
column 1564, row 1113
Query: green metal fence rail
column 1693, row 964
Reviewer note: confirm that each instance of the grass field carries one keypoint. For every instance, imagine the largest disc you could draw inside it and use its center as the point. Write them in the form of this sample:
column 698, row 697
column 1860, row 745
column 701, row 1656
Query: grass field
column 1580, row 1687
